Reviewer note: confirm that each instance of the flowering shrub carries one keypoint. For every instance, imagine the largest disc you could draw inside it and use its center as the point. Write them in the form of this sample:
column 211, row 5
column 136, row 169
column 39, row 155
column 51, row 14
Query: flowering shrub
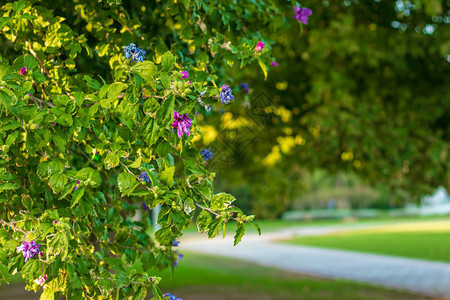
column 94, row 128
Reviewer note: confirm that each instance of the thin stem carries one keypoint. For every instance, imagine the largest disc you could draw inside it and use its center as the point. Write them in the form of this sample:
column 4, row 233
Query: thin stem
column 213, row 212
column 82, row 152
column 4, row 223
column 41, row 102
column 41, row 64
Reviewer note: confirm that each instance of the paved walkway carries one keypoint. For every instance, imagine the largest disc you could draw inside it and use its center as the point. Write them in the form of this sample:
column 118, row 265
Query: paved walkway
column 428, row 278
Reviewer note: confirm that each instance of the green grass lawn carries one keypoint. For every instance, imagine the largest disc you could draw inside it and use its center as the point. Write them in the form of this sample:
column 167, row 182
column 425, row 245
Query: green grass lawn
column 203, row 277
column 415, row 240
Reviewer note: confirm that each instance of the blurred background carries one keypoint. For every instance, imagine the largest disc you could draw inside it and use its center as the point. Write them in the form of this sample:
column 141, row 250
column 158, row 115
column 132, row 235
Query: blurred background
column 343, row 155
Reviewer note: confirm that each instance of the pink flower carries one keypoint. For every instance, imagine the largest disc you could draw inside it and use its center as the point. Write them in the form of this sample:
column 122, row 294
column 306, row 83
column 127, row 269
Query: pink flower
column 41, row 280
column 274, row 63
column 184, row 74
column 23, row 70
column 259, row 46
column 182, row 123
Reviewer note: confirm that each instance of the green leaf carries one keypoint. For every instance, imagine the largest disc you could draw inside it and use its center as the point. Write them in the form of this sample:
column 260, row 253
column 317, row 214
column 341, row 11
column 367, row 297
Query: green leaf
column 76, row 196
column 115, row 89
column 166, row 176
column 92, row 83
column 8, row 186
column 12, row 138
column 165, row 80
column 57, row 182
column 90, row 175
column 163, row 149
column 112, row 160
column 48, row 294
column 214, row 228
column 240, row 231
column 145, row 69
column 148, row 260
column 4, row 274
column 165, row 112
column 137, row 163
column 151, row 132
column 221, row 201
column 59, row 245
column 256, row 227
column 164, row 235
column 25, row 61
column 167, row 61
column 203, row 220
column 59, row 142
column 127, row 183
column 263, row 67
column 189, row 206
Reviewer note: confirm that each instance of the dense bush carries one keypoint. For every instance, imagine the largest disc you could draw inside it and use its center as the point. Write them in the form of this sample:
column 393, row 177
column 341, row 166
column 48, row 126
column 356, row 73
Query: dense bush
column 98, row 106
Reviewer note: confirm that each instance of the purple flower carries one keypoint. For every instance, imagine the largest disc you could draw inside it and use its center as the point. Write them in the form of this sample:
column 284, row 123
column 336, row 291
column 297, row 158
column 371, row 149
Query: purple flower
column 171, row 296
column 175, row 243
column 274, row 63
column 23, row 70
column 135, row 53
column 29, row 249
column 245, row 87
column 144, row 177
column 207, row 154
column 145, row 206
column 75, row 188
column 54, row 123
column 302, row 14
column 180, row 256
column 226, row 94
column 182, row 123
column 184, row 74
column 259, row 46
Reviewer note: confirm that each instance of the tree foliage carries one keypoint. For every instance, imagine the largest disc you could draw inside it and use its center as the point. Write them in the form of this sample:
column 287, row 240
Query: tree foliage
column 87, row 135
column 365, row 91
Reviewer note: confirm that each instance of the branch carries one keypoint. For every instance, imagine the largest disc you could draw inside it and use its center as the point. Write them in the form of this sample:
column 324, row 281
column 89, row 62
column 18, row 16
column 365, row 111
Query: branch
column 4, row 223
column 41, row 64
column 213, row 212
column 41, row 102
column 82, row 152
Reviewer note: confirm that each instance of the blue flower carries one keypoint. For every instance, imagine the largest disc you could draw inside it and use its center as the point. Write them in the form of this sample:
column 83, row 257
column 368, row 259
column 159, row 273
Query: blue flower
column 139, row 55
column 171, row 296
column 179, row 256
column 226, row 94
column 245, row 87
column 129, row 50
column 144, row 177
column 207, row 154
column 175, row 243
column 145, row 206
column 135, row 53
